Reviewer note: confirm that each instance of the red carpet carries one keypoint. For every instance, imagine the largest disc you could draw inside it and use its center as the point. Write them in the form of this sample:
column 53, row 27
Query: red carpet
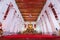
column 30, row 37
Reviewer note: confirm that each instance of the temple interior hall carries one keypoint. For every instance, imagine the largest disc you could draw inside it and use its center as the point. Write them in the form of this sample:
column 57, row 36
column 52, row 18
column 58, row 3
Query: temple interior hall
column 40, row 17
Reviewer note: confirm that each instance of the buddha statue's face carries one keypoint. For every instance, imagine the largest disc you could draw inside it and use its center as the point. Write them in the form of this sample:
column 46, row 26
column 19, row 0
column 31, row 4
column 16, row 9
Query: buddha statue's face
column 30, row 26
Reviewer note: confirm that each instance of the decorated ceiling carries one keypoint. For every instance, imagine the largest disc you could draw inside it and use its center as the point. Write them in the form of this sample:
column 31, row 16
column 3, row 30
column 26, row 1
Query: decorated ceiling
column 30, row 9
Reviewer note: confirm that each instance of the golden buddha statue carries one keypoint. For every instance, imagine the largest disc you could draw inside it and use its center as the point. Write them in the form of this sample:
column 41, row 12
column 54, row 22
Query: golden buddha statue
column 30, row 30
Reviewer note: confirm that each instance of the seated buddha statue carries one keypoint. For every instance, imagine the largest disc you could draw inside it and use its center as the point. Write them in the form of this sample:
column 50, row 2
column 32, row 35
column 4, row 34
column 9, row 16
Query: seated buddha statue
column 30, row 30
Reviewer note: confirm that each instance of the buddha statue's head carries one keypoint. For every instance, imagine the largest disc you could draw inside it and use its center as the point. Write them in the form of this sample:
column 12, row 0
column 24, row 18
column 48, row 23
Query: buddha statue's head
column 30, row 26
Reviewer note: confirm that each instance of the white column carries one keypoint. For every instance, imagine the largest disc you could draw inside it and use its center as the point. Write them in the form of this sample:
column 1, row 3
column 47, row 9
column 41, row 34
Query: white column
column 47, row 23
column 40, row 24
column 51, row 22
column 38, row 27
column 44, row 25
column 12, row 24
